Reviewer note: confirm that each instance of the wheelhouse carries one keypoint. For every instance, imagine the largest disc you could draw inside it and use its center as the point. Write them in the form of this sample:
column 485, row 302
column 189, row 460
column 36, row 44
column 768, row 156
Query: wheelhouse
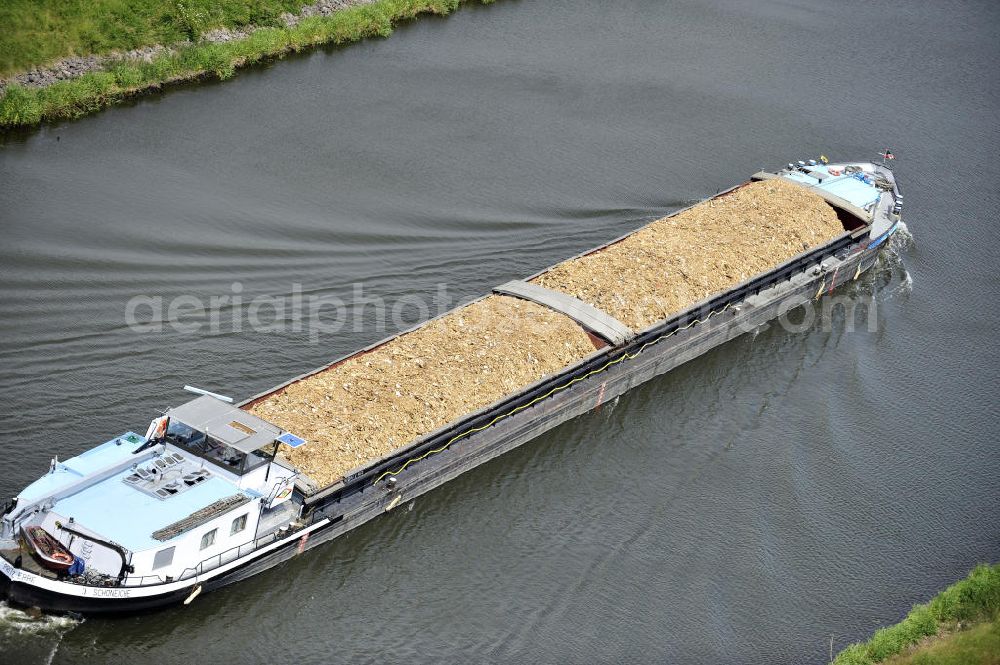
column 225, row 436
column 203, row 488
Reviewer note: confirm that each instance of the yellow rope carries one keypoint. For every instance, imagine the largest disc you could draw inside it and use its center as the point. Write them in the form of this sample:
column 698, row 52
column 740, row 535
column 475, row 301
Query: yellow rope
column 624, row 356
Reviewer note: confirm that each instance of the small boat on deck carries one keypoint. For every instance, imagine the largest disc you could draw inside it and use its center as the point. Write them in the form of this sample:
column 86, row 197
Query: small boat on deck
column 47, row 550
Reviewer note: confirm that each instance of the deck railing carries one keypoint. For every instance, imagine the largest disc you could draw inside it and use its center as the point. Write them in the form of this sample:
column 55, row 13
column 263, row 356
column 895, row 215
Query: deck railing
column 204, row 566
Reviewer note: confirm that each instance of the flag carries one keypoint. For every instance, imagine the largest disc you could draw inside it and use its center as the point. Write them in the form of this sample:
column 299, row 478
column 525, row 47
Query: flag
column 282, row 493
column 158, row 428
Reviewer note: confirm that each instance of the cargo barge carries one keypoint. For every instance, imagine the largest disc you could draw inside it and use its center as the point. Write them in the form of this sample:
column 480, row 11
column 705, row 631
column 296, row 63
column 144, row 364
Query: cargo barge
column 213, row 492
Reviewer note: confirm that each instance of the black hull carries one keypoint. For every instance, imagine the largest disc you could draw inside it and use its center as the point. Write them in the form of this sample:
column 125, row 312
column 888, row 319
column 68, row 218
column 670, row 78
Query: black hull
column 28, row 595
column 103, row 601
column 421, row 470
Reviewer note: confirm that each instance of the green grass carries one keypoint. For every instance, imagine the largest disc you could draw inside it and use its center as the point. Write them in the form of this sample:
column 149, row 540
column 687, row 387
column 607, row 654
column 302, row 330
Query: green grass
column 979, row 645
column 35, row 32
column 20, row 106
column 976, row 598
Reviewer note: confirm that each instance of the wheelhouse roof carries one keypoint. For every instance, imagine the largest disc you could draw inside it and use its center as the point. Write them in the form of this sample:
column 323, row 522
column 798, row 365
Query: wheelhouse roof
column 117, row 511
column 224, row 422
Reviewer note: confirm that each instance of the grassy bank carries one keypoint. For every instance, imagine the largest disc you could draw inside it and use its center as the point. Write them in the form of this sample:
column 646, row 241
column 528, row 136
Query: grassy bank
column 21, row 106
column 35, row 32
column 978, row 645
column 973, row 601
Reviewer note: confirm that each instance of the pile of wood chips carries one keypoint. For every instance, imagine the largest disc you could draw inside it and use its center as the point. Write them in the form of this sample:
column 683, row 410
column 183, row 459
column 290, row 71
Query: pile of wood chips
column 371, row 404
column 677, row 261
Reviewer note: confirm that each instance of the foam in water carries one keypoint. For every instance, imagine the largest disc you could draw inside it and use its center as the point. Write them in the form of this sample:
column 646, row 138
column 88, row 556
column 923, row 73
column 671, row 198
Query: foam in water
column 902, row 238
column 892, row 262
column 32, row 637
column 13, row 620
column 889, row 277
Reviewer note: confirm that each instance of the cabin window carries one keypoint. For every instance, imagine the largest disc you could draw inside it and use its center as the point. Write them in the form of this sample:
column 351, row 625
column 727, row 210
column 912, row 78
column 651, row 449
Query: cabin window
column 239, row 524
column 208, row 539
column 208, row 448
column 163, row 558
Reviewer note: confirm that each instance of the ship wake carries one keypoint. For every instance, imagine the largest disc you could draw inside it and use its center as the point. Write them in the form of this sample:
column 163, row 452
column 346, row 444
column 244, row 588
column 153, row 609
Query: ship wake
column 889, row 279
column 14, row 621
column 33, row 636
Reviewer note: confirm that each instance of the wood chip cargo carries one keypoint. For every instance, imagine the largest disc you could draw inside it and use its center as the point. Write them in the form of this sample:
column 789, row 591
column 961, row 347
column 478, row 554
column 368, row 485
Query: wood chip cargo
column 366, row 406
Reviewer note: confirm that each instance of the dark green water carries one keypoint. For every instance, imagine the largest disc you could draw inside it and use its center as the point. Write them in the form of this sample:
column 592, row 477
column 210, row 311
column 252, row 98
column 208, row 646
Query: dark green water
column 783, row 489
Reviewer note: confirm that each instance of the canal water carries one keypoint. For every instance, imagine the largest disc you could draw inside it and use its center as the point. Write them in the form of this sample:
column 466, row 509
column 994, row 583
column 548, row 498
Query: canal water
column 785, row 489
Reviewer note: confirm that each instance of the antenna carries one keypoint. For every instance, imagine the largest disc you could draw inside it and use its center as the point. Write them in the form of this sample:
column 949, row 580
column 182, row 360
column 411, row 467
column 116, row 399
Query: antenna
column 202, row 391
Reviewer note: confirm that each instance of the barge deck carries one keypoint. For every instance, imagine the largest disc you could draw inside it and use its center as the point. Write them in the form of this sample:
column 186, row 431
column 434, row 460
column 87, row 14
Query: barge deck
column 270, row 522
